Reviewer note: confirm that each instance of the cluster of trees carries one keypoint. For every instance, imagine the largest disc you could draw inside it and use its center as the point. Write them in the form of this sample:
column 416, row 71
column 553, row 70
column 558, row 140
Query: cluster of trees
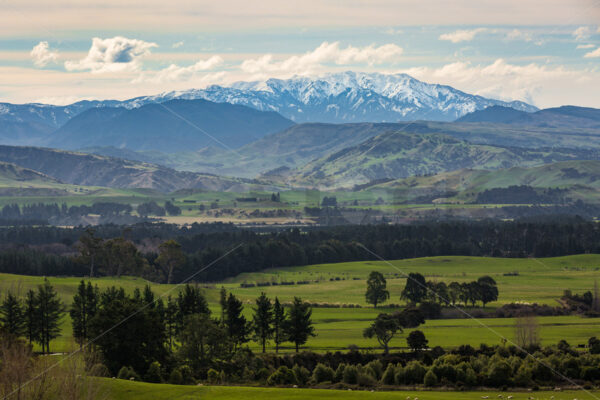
column 180, row 332
column 36, row 317
column 418, row 290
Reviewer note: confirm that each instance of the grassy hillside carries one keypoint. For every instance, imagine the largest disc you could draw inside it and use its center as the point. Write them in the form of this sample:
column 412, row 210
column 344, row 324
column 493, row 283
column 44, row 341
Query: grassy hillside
column 396, row 155
column 581, row 178
column 93, row 170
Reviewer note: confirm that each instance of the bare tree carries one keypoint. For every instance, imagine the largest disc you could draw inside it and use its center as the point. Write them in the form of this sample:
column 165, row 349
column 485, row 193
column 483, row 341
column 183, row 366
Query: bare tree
column 527, row 331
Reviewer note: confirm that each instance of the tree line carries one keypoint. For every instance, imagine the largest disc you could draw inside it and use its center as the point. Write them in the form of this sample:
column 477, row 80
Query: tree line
column 418, row 290
column 203, row 243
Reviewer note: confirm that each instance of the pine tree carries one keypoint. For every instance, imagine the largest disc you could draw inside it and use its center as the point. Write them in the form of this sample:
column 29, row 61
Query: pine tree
column 171, row 320
column 31, row 317
column 279, row 321
column 299, row 325
column 83, row 309
column 223, row 302
column 11, row 315
column 50, row 312
column 236, row 324
column 263, row 320
column 190, row 301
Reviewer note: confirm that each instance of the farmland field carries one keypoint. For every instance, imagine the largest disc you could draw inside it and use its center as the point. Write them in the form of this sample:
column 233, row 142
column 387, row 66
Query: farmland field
column 121, row 390
column 337, row 328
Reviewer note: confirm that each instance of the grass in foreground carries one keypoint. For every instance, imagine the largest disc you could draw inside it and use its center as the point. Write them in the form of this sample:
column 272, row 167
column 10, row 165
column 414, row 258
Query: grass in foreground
column 121, row 390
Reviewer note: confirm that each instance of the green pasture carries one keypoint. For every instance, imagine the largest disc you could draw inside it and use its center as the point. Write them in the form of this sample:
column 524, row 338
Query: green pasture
column 117, row 389
column 539, row 280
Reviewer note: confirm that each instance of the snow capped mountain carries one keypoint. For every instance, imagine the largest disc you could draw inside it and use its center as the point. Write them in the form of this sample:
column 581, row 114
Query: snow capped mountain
column 336, row 98
column 345, row 97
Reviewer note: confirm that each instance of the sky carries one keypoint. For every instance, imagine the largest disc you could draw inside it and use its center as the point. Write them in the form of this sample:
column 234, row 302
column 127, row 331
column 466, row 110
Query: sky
column 546, row 53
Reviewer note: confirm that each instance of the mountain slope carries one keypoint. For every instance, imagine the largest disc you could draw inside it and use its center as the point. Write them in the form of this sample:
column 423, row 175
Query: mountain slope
column 346, row 97
column 172, row 126
column 396, row 155
column 93, row 170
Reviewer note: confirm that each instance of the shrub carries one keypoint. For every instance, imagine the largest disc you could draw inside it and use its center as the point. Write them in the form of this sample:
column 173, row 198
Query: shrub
column 175, row 377
column 414, row 373
column 186, row 375
column 99, row 370
column 499, row 374
column 128, row 373
column 350, row 375
column 212, row 376
column 366, row 379
column 282, row 376
column 375, row 368
column 301, row 375
column 322, row 373
column 154, row 374
column 399, row 377
column 590, row 374
column 523, row 376
column 388, row 377
column 339, row 373
column 430, row 379
column 262, row 374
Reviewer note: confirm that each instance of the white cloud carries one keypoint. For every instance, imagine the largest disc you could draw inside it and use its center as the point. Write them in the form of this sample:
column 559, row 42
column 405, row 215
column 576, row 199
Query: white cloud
column 175, row 73
column 112, row 55
column 42, row 55
column 534, row 83
column 593, row 54
column 326, row 53
column 177, row 45
column 585, row 46
column 582, row 33
column 461, row 35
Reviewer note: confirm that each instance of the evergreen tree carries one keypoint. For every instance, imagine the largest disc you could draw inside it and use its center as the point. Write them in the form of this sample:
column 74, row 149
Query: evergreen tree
column 299, row 325
column 190, row 301
column 223, row 302
column 84, row 307
column 171, row 320
column 51, row 310
column 236, row 324
column 279, row 322
column 376, row 289
column 263, row 320
column 31, row 316
column 11, row 315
